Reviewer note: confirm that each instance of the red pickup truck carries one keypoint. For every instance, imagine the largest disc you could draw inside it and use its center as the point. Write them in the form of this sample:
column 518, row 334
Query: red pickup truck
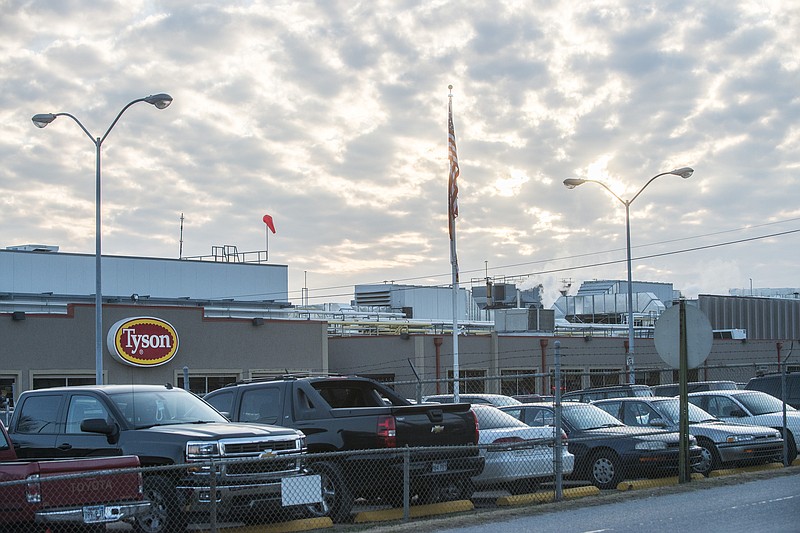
column 86, row 493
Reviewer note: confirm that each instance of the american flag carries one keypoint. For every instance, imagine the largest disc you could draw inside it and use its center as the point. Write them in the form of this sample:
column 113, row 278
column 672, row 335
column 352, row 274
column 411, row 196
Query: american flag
column 452, row 186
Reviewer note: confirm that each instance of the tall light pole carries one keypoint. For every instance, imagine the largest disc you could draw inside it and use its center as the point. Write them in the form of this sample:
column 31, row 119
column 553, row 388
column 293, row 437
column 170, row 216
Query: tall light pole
column 161, row 101
column 571, row 183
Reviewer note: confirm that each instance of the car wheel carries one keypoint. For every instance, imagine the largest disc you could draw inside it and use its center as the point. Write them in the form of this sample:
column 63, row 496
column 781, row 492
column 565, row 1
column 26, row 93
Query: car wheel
column 337, row 500
column 606, row 470
column 791, row 447
column 165, row 515
column 709, row 458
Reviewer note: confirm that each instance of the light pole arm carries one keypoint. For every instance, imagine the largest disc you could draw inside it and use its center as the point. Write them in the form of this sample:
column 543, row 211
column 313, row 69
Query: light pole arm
column 609, row 190
column 103, row 138
column 78, row 122
column 645, row 185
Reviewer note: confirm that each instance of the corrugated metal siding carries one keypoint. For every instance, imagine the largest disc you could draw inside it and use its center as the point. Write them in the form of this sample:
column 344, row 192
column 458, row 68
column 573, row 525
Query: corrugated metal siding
column 763, row 318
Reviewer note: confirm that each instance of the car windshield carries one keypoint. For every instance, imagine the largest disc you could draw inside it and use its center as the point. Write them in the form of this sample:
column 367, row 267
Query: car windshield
column 761, row 403
column 670, row 409
column 585, row 416
column 144, row 409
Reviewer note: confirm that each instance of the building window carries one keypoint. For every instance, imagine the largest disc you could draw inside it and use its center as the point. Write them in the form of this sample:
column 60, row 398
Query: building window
column 517, row 382
column 648, row 377
column 470, row 381
column 201, row 384
column 571, row 379
column 45, row 382
column 7, row 388
column 604, row 377
column 692, row 374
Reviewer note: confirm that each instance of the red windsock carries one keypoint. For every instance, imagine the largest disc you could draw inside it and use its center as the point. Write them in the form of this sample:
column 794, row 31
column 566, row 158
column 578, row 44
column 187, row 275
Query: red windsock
column 270, row 224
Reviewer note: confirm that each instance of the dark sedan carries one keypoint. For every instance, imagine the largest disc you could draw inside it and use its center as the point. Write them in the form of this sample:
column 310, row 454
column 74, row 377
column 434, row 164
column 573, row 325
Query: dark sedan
column 723, row 443
column 607, row 451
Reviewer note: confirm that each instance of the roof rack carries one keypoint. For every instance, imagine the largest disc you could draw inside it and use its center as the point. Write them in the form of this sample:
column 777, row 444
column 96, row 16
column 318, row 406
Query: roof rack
column 284, row 377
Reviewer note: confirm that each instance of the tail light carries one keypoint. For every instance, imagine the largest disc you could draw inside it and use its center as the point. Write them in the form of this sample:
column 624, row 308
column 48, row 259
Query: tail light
column 33, row 491
column 477, row 427
column 387, row 432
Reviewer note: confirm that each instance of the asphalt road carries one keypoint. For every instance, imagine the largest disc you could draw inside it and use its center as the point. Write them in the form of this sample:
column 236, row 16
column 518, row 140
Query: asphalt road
column 739, row 504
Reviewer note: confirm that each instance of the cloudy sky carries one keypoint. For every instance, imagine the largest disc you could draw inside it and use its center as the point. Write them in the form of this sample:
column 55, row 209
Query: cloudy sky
column 331, row 116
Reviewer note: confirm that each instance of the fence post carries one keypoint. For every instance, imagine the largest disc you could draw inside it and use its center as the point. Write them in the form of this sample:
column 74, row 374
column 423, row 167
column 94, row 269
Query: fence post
column 406, row 483
column 557, row 449
column 212, row 494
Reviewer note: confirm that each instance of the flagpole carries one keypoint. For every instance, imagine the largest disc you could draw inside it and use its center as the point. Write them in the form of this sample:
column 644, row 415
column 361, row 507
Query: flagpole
column 452, row 213
column 266, row 235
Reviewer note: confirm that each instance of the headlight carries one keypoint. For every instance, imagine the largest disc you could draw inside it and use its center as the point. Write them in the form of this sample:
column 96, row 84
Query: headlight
column 302, row 442
column 202, row 450
column 739, row 438
column 651, row 445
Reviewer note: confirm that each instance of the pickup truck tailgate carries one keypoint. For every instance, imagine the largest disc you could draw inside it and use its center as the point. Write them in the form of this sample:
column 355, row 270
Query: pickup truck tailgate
column 94, row 487
column 435, row 425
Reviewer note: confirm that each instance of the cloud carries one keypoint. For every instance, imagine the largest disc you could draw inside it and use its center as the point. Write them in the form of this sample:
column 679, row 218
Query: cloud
column 331, row 116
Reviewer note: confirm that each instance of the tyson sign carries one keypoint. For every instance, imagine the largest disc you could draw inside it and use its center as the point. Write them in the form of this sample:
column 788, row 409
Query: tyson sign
column 143, row 341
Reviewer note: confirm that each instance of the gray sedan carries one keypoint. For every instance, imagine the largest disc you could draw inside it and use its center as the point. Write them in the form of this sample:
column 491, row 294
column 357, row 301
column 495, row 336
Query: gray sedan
column 723, row 443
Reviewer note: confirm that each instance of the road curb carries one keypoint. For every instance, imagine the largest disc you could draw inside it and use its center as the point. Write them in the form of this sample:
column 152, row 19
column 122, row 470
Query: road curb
column 652, row 483
column 757, row 468
column 546, row 497
column 415, row 511
column 304, row 524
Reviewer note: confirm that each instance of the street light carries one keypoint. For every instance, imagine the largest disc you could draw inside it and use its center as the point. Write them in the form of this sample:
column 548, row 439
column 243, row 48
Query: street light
column 571, row 183
column 160, row 101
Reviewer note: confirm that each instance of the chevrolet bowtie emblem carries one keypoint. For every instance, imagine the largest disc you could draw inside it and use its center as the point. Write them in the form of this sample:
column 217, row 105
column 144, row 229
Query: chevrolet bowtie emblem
column 265, row 454
column 437, row 429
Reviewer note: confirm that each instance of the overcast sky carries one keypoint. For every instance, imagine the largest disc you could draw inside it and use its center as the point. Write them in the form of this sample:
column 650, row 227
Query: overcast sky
column 331, row 116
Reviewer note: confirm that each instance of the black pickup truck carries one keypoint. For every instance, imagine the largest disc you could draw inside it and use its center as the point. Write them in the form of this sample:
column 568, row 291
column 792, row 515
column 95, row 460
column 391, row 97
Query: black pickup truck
column 353, row 414
column 163, row 425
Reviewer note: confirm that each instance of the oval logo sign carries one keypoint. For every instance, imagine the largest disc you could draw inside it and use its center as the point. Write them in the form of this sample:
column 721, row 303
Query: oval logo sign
column 143, row 341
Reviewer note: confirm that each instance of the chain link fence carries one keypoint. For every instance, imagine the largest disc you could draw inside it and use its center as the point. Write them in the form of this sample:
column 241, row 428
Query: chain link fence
column 534, row 450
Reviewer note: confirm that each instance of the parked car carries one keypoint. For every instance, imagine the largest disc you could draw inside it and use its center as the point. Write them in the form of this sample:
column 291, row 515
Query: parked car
column 599, row 393
column 673, row 389
column 533, row 398
column 771, row 384
column 607, row 451
column 497, row 400
column 753, row 408
column 723, row 443
column 518, row 456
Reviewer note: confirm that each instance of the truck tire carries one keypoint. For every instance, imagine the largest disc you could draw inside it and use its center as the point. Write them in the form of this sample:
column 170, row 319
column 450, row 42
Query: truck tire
column 337, row 499
column 165, row 514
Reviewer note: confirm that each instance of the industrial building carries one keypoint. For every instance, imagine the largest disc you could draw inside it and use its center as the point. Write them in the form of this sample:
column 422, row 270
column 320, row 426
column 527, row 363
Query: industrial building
column 225, row 317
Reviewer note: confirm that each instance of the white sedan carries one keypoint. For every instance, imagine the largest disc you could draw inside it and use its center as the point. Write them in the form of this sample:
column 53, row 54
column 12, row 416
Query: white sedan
column 518, row 456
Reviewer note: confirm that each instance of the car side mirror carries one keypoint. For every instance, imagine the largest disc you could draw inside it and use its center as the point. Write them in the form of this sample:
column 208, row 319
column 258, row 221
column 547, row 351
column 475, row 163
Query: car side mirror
column 102, row 426
column 658, row 422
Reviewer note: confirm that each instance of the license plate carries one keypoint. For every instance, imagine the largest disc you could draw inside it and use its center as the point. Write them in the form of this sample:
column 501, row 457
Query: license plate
column 93, row 514
column 440, row 466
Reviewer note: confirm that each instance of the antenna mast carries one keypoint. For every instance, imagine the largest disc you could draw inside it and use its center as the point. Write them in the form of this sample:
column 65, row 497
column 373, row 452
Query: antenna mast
column 180, row 250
